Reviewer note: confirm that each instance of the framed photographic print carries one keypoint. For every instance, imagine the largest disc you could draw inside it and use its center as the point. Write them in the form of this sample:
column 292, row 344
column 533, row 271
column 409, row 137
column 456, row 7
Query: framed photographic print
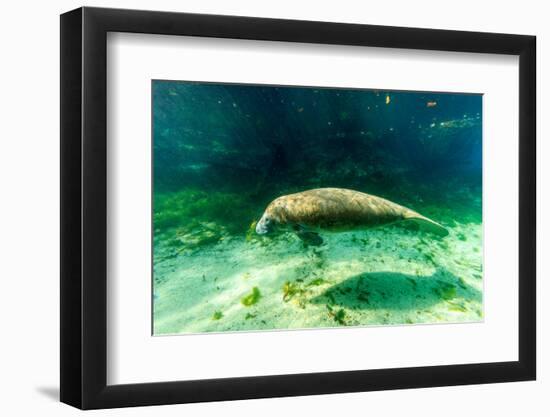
column 257, row 207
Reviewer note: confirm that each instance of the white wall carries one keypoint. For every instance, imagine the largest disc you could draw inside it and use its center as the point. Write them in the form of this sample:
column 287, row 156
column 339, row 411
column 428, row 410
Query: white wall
column 29, row 173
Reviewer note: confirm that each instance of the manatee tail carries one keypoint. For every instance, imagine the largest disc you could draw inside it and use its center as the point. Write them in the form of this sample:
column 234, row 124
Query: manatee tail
column 425, row 224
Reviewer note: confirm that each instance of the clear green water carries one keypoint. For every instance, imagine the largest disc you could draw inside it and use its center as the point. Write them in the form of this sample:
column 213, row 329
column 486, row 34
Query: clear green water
column 223, row 152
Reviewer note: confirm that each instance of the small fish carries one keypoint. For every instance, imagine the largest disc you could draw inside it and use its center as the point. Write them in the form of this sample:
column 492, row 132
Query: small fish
column 431, row 104
column 388, row 99
column 300, row 110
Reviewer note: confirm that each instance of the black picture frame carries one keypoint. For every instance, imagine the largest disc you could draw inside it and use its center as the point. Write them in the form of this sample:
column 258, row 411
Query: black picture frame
column 84, row 207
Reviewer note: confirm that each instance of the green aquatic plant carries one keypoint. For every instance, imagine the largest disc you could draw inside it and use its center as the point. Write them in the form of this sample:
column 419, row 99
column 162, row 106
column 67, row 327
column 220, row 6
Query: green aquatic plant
column 445, row 290
column 166, row 219
column 252, row 298
column 174, row 243
column 339, row 315
column 250, row 316
column 316, row 282
column 217, row 315
column 290, row 290
column 189, row 209
column 251, row 232
column 457, row 307
column 429, row 257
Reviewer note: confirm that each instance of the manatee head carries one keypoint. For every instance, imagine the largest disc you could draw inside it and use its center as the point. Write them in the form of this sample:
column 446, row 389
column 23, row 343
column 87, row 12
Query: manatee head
column 271, row 220
column 266, row 224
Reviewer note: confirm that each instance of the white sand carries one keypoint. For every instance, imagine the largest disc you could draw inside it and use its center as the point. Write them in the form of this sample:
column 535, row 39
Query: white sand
column 377, row 277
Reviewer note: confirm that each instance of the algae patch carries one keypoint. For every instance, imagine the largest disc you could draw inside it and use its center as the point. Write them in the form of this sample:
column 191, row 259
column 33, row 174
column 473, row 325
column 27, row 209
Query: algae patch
column 316, row 282
column 217, row 315
column 251, row 232
column 252, row 298
column 446, row 291
column 339, row 315
column 290, row 290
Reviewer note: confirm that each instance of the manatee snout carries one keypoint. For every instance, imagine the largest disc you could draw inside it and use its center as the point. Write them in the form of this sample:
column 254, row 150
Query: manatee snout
column 264, row 225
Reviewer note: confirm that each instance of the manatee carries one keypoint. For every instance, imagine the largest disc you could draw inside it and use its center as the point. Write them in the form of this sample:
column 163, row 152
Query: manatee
column 335, row 210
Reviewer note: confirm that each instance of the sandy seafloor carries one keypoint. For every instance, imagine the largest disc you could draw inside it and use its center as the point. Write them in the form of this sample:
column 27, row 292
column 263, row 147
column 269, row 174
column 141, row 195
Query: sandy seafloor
column 385, row 276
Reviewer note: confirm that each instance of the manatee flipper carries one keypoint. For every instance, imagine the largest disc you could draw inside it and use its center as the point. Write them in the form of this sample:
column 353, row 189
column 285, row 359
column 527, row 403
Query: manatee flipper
column 426, row 224
column 308, row 237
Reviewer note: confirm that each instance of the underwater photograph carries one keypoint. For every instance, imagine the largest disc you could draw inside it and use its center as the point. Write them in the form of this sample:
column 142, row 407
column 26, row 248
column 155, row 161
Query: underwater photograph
column 290, row 207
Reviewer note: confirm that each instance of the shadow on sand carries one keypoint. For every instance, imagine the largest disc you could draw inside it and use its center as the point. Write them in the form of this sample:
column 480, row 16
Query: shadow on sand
column 396, row 291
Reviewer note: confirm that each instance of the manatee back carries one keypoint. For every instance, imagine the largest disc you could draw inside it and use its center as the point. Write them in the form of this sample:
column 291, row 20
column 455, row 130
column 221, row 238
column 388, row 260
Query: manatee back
column 338, row 209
